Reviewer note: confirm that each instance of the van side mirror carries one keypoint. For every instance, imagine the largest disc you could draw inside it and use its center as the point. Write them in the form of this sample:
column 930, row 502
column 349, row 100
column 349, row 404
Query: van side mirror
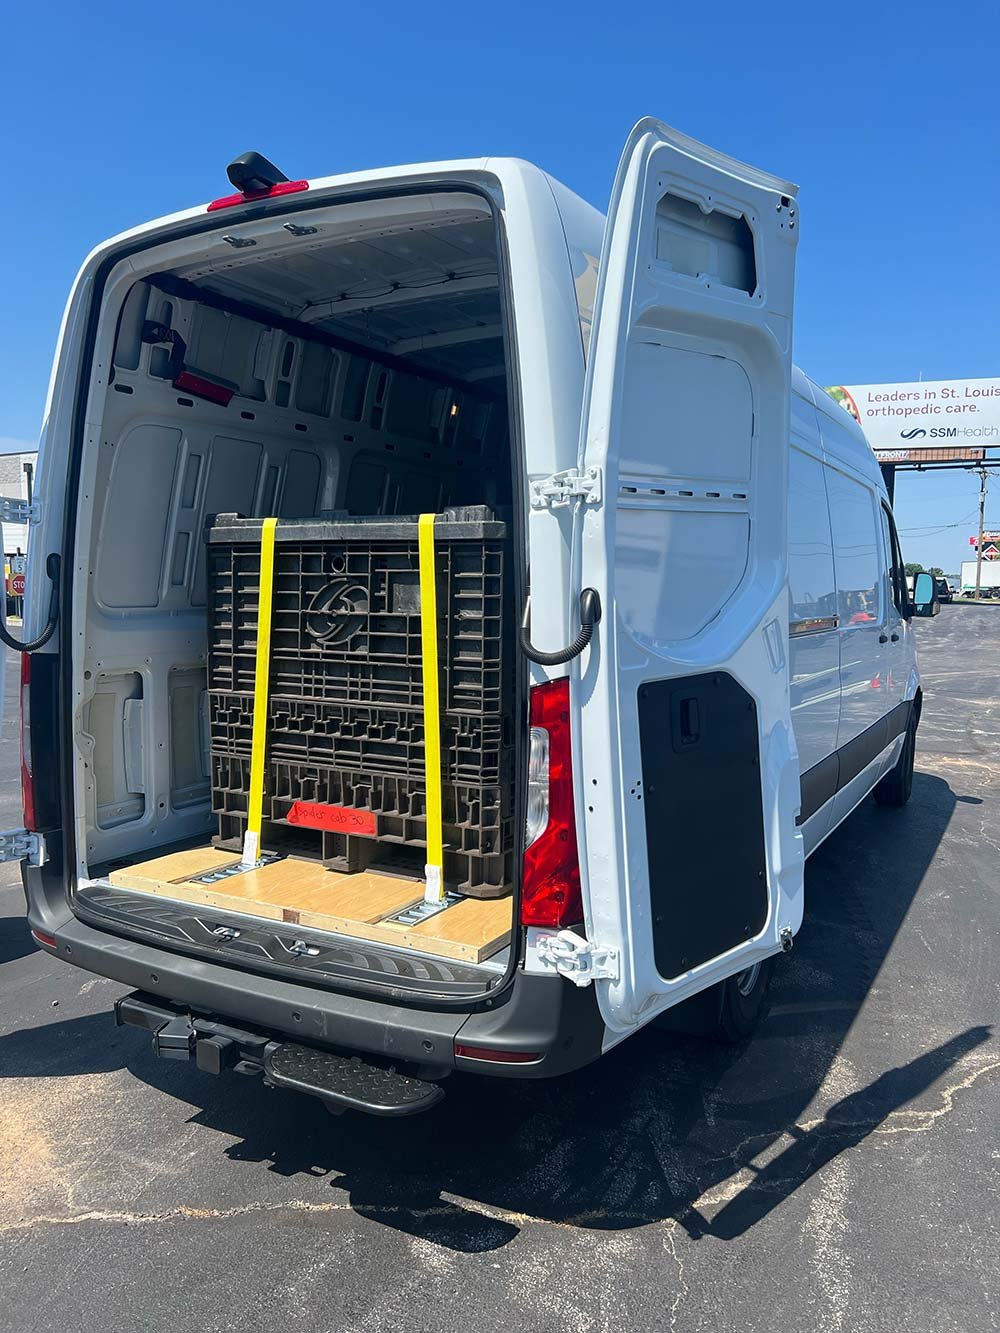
column 925, row 598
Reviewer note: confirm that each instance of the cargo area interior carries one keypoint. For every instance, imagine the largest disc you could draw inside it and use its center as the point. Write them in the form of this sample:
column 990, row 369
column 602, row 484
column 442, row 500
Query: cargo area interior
column 342, row 370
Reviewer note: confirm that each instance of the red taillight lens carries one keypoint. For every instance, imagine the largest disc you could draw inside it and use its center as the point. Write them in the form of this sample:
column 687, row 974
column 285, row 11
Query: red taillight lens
column 497, row 1057
column 43, row 937
column 27, row 783
column 550, row 879
column 231, row 200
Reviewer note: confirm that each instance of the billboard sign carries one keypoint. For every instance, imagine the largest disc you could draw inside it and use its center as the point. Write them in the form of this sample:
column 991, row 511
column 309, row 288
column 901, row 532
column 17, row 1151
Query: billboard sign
column 905, row 422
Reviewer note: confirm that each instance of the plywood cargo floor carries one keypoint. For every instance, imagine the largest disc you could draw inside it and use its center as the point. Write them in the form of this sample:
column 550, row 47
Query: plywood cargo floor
column 304, row 893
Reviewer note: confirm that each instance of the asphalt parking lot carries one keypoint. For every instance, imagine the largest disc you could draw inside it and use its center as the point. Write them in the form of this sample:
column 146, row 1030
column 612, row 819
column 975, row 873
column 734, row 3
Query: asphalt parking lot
column 837, row 1173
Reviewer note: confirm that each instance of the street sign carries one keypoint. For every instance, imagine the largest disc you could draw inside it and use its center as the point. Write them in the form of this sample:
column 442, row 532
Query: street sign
column 17, row 585
column 19, row 564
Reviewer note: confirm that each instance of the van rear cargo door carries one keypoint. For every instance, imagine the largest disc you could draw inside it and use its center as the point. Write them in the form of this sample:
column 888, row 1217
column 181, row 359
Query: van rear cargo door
column 687, row 777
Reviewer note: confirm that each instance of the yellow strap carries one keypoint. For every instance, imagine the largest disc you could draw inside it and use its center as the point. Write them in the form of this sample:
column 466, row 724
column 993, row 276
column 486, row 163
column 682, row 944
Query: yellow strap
column 434, row 890
column 258, row 746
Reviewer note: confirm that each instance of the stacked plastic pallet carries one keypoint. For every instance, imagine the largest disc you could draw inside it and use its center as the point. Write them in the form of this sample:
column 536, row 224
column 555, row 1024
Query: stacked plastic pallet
column 345, row 776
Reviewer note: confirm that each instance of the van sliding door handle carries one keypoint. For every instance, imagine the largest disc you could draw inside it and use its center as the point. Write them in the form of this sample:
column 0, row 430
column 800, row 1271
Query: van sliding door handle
column 590, row 615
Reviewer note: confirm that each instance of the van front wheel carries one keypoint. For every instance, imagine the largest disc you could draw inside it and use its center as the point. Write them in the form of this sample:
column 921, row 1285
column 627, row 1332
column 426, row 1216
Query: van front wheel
column 896, row 786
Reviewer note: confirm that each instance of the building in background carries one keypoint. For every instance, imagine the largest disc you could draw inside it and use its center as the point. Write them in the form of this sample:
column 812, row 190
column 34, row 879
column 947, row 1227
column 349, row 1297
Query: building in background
column 15, row 483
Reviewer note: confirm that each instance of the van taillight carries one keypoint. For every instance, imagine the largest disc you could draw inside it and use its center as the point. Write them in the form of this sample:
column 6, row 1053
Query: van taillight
column 231, row 200
column 27, row 784
column 550, row 879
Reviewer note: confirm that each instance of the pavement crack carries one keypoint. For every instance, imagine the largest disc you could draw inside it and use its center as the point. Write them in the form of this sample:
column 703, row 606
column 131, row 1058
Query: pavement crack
column 682, row 1286
column 903, row 1120
column 920, row 1121
column 183, row 1212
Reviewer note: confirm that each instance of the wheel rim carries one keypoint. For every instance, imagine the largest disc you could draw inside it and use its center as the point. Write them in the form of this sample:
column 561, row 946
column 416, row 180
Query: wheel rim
column 747, row 979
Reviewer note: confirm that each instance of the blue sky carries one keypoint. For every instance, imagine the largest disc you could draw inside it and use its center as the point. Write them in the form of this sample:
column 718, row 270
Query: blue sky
column 886, row 116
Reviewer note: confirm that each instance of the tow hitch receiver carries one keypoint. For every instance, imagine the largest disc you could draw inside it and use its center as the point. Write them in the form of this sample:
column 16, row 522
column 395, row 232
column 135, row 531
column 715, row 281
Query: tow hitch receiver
column 341, row 1082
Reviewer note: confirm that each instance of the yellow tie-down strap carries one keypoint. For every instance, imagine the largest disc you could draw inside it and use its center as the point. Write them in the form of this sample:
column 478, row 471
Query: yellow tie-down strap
column 262, row 670
column 434, row 869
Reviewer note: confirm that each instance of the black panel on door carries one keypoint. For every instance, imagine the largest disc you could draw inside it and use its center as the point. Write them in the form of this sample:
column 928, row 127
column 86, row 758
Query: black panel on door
column 704, row 817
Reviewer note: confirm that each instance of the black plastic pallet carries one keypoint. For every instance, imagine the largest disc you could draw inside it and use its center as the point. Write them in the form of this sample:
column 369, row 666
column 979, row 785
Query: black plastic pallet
column 477, row 819
column 345, row 621
column 358, row 738
column 345, row 700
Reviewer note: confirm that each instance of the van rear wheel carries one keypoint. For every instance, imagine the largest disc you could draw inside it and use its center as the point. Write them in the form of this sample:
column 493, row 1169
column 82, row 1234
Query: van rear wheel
column 727, row 1012
column 744, row 999
column 895, row 788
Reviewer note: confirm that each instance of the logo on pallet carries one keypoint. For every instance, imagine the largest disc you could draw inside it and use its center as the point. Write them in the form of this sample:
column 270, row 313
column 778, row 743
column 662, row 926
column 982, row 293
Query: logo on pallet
column 337, row 612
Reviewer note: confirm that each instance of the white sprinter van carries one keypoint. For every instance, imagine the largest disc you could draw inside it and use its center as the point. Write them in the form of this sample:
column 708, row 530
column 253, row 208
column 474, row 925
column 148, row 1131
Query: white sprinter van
column 710, row 653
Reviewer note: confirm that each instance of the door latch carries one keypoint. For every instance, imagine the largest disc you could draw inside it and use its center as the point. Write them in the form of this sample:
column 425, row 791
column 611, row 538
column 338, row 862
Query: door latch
column 15, row 510
column 19, row 845
column 576, row 958
column 563, row 488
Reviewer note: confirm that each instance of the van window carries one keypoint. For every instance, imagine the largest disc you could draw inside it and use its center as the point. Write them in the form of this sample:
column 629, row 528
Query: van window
column 810, row 548
column 857, row 548
column 894, row 561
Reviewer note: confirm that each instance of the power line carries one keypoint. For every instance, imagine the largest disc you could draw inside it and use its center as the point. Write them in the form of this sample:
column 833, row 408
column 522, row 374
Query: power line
column 931, row 529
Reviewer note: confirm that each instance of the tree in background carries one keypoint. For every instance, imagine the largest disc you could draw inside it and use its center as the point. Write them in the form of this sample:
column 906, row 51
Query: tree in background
column 911, row 567
column 937, row 571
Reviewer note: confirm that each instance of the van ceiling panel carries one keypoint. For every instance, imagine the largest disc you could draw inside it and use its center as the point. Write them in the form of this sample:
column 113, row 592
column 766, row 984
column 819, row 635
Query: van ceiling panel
column 385, row 291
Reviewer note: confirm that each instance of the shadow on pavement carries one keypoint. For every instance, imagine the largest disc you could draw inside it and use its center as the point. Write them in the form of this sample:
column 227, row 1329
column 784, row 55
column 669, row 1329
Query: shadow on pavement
column 649, row 1132
column 15, row 939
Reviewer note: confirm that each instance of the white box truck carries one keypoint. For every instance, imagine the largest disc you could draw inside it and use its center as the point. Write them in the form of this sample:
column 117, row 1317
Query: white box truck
column 989, row 579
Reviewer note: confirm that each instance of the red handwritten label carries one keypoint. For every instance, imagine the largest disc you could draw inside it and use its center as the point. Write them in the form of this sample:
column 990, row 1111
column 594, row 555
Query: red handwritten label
column 333, row 818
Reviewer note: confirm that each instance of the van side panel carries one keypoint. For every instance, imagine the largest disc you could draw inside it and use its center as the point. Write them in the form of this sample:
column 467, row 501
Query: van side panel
column 871, row 644
column 859, row 564
column 813, row 641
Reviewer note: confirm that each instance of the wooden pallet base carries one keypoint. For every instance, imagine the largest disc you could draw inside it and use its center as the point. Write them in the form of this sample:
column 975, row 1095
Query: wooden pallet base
column 304, row 893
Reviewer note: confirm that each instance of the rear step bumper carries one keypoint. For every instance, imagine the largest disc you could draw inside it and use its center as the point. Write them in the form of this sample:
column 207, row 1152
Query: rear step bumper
column 543, row 1014
column 341, row 1082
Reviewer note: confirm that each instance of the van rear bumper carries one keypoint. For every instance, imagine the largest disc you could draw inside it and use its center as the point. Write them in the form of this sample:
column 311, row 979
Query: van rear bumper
column 547, row 1017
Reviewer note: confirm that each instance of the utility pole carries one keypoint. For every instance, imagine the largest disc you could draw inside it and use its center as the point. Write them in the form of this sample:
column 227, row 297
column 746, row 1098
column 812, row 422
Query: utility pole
column 982, row 523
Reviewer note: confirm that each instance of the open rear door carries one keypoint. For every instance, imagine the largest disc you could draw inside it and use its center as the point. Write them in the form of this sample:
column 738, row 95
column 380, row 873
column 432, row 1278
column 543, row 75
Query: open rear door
column 687, row 772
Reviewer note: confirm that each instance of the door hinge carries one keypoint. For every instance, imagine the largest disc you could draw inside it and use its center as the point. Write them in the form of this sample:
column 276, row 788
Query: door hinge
column 17, row 844
column 15, row 510
column 576, row 958
column 564, row 488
